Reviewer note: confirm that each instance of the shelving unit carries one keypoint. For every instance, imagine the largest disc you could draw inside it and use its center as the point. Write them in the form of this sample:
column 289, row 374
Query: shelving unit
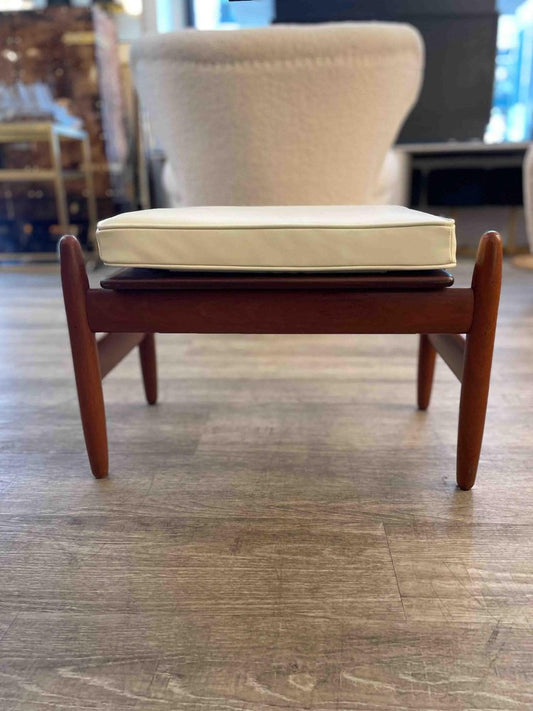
column 53, row 134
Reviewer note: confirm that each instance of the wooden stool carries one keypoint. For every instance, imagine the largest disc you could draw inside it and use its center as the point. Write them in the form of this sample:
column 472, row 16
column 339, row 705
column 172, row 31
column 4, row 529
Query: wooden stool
column 133, row 304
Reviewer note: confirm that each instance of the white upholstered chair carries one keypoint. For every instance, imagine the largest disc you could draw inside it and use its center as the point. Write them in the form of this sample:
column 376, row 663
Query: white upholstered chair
column 285, row 115
column 392, row 186
column 276, row 138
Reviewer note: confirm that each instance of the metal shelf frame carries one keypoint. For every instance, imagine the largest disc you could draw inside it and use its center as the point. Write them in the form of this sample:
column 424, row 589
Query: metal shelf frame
column 53, row 134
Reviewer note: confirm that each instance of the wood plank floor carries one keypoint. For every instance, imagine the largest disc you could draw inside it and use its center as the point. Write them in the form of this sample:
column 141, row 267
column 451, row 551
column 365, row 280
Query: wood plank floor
column 282, row 531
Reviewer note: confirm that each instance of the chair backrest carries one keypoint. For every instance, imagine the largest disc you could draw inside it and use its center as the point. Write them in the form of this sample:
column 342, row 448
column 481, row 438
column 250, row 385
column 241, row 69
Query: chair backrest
column 279, row 115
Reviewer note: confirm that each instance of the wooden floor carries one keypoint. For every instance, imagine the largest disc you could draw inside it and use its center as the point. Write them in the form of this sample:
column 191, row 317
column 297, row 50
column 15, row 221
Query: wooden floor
column 282, row 531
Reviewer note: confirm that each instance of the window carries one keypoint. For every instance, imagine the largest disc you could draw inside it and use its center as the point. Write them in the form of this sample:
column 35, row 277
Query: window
column 222, row 14
column 512, row 111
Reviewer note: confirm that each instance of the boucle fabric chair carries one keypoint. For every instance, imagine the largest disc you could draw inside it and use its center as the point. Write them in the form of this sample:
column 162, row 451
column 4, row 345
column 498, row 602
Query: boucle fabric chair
column 285, row 115
column 276, row 137
column 392, row 186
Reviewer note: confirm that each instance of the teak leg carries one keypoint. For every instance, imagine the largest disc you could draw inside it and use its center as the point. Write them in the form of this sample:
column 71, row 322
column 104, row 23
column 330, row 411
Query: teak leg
column 486, row 282
column 426, row 367
column 84, row 355
column 149, row 367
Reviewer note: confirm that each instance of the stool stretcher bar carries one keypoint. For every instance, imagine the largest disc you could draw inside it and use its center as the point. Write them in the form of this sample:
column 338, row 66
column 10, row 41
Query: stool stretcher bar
column 451, row 348
column 312, row 311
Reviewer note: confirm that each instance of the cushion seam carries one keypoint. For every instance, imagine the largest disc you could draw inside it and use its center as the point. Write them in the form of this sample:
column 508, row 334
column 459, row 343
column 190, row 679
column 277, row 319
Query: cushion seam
column 277, row 267
column 272, row 227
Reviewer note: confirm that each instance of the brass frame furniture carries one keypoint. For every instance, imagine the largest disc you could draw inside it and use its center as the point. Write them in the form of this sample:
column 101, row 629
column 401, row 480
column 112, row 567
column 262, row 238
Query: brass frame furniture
column 45, row 131
column 134, row 304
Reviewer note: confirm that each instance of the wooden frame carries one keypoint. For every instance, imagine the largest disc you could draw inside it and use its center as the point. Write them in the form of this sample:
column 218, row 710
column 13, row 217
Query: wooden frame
column 136, row 304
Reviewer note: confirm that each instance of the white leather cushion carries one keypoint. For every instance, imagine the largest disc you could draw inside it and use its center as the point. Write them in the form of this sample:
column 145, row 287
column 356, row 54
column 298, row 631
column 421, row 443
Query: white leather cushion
column 286, row 238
